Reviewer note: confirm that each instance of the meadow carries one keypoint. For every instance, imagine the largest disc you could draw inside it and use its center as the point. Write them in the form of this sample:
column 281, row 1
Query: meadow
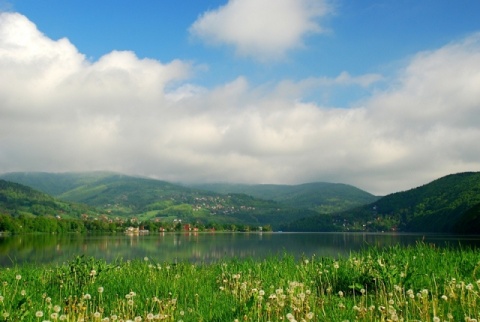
column 410, row 283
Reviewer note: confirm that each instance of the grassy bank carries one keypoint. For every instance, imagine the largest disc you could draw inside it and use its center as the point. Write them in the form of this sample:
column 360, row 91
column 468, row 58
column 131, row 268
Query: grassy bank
column 419, row 283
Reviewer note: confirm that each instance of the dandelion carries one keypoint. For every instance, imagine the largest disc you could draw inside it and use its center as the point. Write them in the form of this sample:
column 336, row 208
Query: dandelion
column 87, row 297
column 96, row 315
column 23, row 292
column 93, row 272
column 145, row 258
column 436, row 319
column 100, row 289
column 340, row 293
column 63, row 317
column 18, row 277
column 150, row 316
column 261, row 293
column 39, row 314
column 444, row 297
column 310, row 315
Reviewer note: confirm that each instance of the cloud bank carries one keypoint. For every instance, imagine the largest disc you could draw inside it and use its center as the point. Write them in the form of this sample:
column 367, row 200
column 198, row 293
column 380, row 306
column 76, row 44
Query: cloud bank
column 62, row 112
column 262, row 29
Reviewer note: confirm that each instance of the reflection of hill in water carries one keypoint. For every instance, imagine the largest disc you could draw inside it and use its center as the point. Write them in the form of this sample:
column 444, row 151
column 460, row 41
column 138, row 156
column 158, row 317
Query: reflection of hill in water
column 200, row 247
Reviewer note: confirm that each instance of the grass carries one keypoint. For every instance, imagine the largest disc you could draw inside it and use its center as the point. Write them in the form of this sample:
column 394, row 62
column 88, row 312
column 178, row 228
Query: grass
column 415, row 283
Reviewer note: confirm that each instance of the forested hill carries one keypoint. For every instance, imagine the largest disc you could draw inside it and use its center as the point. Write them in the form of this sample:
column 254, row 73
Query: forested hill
column 448, row 204
column 322, row 197
column 17, row 199
column 149, row 199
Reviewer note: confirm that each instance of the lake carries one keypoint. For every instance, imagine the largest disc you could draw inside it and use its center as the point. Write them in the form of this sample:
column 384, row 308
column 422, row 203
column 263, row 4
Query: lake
column 203, row 247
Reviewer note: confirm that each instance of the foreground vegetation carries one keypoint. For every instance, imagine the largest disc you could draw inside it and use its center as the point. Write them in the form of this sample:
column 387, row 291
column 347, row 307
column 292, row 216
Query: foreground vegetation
column 418, row 283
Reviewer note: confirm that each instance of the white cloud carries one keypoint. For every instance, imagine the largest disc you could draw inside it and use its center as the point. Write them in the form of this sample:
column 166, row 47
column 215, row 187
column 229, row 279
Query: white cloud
column 262, row 29
column 61, row 112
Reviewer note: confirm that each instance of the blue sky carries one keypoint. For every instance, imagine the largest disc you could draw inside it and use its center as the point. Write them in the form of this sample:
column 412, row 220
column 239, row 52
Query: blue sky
column 268, row 91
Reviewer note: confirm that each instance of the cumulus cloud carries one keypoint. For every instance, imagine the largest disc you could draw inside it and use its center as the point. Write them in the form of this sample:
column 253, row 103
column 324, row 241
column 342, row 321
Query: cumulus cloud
column 262, row 29
column 62, row 112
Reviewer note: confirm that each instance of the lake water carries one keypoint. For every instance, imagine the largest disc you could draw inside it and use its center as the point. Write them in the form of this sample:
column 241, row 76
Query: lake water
column 203, row 247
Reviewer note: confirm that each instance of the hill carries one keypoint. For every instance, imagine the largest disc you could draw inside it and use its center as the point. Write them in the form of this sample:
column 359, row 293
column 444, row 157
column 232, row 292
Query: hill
column 448, row 204
column 146, row 199
column 23, row 209
column 322, row 197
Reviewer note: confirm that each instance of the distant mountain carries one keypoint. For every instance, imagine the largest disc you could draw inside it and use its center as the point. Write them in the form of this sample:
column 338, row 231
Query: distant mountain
column 17, row 199
column 322, row 197
column 448, row 204
column 126, row 196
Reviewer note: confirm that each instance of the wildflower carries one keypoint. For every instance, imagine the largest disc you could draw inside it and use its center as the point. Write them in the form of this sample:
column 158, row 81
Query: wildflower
column 100, row 289
column 261, row 292
column 469, row 287
column 39, row 314
column 138, row 319
column 436, row 319
column 93, row 272
column 444, row 297
column 290, row 316
column 336, row 265
column 23, row 292
column 63, row 317
column 150, row 316
column 96, row 315
column 145, row 258
column 54, row 315
column 87, row 296
column 18, row 277
column 340, row 293
column 310, row 315
column 5, row 315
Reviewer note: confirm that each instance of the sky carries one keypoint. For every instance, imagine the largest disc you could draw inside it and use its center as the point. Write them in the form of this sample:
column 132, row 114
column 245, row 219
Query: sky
column 380, row 94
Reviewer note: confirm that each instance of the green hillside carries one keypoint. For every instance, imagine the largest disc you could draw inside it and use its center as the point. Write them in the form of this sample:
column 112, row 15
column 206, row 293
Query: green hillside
column 322, row 197
column 23, row 209
column 147, row 199
column 448, row 204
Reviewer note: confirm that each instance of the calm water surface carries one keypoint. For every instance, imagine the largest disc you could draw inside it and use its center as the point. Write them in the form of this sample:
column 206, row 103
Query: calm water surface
column 203, row 247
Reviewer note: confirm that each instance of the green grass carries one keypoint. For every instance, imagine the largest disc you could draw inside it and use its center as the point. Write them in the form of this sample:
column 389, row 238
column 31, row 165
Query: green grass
column 417, row 283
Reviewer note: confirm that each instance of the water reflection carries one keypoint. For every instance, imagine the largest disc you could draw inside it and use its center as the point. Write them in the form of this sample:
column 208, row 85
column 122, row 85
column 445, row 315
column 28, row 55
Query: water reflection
column 203, row 247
